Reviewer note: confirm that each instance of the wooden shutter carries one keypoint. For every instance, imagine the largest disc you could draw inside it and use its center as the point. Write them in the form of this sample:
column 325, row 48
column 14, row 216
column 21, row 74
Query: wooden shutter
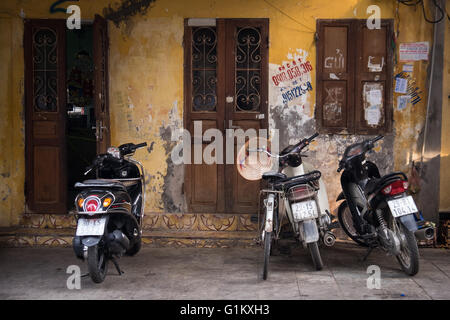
column 335, row 76
column 373, row 105
column 45, row 99
column 354, row 72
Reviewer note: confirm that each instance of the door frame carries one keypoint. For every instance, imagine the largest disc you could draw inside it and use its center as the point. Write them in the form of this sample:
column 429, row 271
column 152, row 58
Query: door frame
column 99, row 24
column 225, row 77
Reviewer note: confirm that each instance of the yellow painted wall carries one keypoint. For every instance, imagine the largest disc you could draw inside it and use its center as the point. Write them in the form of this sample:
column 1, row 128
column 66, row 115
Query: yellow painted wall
column 444, row 204
column 146, row 75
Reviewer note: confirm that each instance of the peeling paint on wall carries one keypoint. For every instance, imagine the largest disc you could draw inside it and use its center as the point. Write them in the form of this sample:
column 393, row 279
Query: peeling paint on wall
column 125, row 10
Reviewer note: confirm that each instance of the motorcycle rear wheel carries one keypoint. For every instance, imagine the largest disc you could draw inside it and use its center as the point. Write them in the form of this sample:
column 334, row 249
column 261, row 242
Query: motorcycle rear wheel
column 315, row 255
column 97, row 263
column 346, row 223
column 409, row 252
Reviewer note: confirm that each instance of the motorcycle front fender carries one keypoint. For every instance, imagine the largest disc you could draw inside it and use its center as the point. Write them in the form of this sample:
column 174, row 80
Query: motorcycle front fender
column 409, row 222
column 268, row 226
column 91, row 241
column 310, row 233
column 340, row 196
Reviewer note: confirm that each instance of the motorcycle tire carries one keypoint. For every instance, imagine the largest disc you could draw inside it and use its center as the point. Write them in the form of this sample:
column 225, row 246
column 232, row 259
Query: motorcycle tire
column 135, row 248
column 97, row 264
column 267, row 249
column 343, row 216
column 410, row 267
column 315, row 255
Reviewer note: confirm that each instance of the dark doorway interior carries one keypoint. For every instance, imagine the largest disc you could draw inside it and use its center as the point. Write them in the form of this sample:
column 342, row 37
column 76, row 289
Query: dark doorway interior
column 80, row 137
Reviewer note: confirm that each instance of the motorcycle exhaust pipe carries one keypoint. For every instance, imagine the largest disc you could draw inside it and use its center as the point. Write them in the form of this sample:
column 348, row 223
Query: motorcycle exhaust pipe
column 118, row 242
column 329, row 239
column 426, row 233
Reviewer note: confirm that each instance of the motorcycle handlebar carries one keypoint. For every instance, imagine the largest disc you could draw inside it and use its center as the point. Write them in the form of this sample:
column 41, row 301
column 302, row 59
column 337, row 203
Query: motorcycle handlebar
column 377, row 138
column 140, row 145
column 313, row 136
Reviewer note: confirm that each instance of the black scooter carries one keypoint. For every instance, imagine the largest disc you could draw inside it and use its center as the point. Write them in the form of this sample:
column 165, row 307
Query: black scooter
column 377, row 211
column 110, row 210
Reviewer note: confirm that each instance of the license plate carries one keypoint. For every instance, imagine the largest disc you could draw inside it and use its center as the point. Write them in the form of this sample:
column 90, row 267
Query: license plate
column 304, row 210
column 402, row 206
column 91, row 227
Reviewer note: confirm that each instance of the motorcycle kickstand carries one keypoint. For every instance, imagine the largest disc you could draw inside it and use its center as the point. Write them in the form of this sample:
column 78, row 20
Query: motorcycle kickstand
column 367, row 254
column 116, row 264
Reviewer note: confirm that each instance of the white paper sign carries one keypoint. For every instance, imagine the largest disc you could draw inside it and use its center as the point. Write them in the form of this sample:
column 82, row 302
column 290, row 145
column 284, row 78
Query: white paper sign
column 374, row 97
column 402, row 102
column 408, row 68
column 400, row 85
column 373, row 115
column 414, row 51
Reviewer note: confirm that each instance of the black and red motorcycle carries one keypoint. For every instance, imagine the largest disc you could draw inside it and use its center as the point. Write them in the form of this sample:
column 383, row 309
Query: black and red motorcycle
column 377, row 211
column 110, row 210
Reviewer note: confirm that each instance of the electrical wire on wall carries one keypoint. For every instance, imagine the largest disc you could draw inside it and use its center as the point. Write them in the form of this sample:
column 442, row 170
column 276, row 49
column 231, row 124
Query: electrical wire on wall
column 414, row 3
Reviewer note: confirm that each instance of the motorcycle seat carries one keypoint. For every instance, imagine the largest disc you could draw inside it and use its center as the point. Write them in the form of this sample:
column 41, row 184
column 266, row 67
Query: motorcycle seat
column 375, row 184
column 272, row 176
column 101, row 183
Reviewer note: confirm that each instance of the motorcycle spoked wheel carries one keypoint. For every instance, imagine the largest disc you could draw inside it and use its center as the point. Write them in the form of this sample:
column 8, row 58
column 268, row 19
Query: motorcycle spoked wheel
column 409, row 252
column 267, row 250
column 97, row 263
column 315, row 255
column 346, row 223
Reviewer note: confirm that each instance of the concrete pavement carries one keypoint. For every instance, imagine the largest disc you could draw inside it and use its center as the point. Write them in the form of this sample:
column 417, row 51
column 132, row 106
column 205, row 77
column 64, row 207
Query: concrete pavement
column 218, row 273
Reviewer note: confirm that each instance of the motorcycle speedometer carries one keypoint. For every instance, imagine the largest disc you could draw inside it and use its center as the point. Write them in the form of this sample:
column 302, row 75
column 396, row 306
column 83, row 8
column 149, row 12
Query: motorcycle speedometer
column 115, row 152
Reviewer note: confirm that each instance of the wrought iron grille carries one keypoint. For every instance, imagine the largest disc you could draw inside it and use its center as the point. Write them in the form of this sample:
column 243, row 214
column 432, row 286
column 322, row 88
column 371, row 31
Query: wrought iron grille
column 204, row 69
column 248, row 69
column 45, row 64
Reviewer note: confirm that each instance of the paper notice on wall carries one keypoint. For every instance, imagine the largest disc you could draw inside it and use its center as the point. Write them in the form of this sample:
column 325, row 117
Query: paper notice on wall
column 408, row 68
column 373, row 115
column 374, row 97
column 402, row 102
column 414, row 51
column 400, row 85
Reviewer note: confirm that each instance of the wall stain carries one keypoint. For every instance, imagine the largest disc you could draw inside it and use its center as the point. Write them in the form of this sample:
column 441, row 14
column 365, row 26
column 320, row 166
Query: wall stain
column 127, row 9
column 172, row 198
column 150, row 149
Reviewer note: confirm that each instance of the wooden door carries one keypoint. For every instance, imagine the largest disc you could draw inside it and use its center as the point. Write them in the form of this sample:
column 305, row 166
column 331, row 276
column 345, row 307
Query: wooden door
column 45, row 100
column 246, row 100
column 101, row 99
column 215, row 94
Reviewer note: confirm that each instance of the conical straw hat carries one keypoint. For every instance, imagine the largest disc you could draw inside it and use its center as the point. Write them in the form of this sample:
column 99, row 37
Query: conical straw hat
column 251, row 164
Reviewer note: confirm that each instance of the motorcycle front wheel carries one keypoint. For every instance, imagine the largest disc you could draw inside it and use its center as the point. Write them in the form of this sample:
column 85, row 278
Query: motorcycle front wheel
column 97, row 263
column 315, row 255
column 267, row 248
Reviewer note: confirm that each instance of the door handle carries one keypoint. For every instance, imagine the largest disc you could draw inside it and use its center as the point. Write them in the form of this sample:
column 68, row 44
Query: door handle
column 99, row 130
column 231, row 126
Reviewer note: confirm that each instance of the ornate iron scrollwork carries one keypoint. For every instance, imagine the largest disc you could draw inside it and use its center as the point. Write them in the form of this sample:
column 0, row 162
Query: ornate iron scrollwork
column 204, row 73
column 45, row 63
column 248, row 69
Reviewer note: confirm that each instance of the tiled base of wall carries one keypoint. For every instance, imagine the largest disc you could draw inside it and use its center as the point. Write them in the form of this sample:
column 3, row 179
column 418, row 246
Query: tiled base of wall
column 160, row 230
